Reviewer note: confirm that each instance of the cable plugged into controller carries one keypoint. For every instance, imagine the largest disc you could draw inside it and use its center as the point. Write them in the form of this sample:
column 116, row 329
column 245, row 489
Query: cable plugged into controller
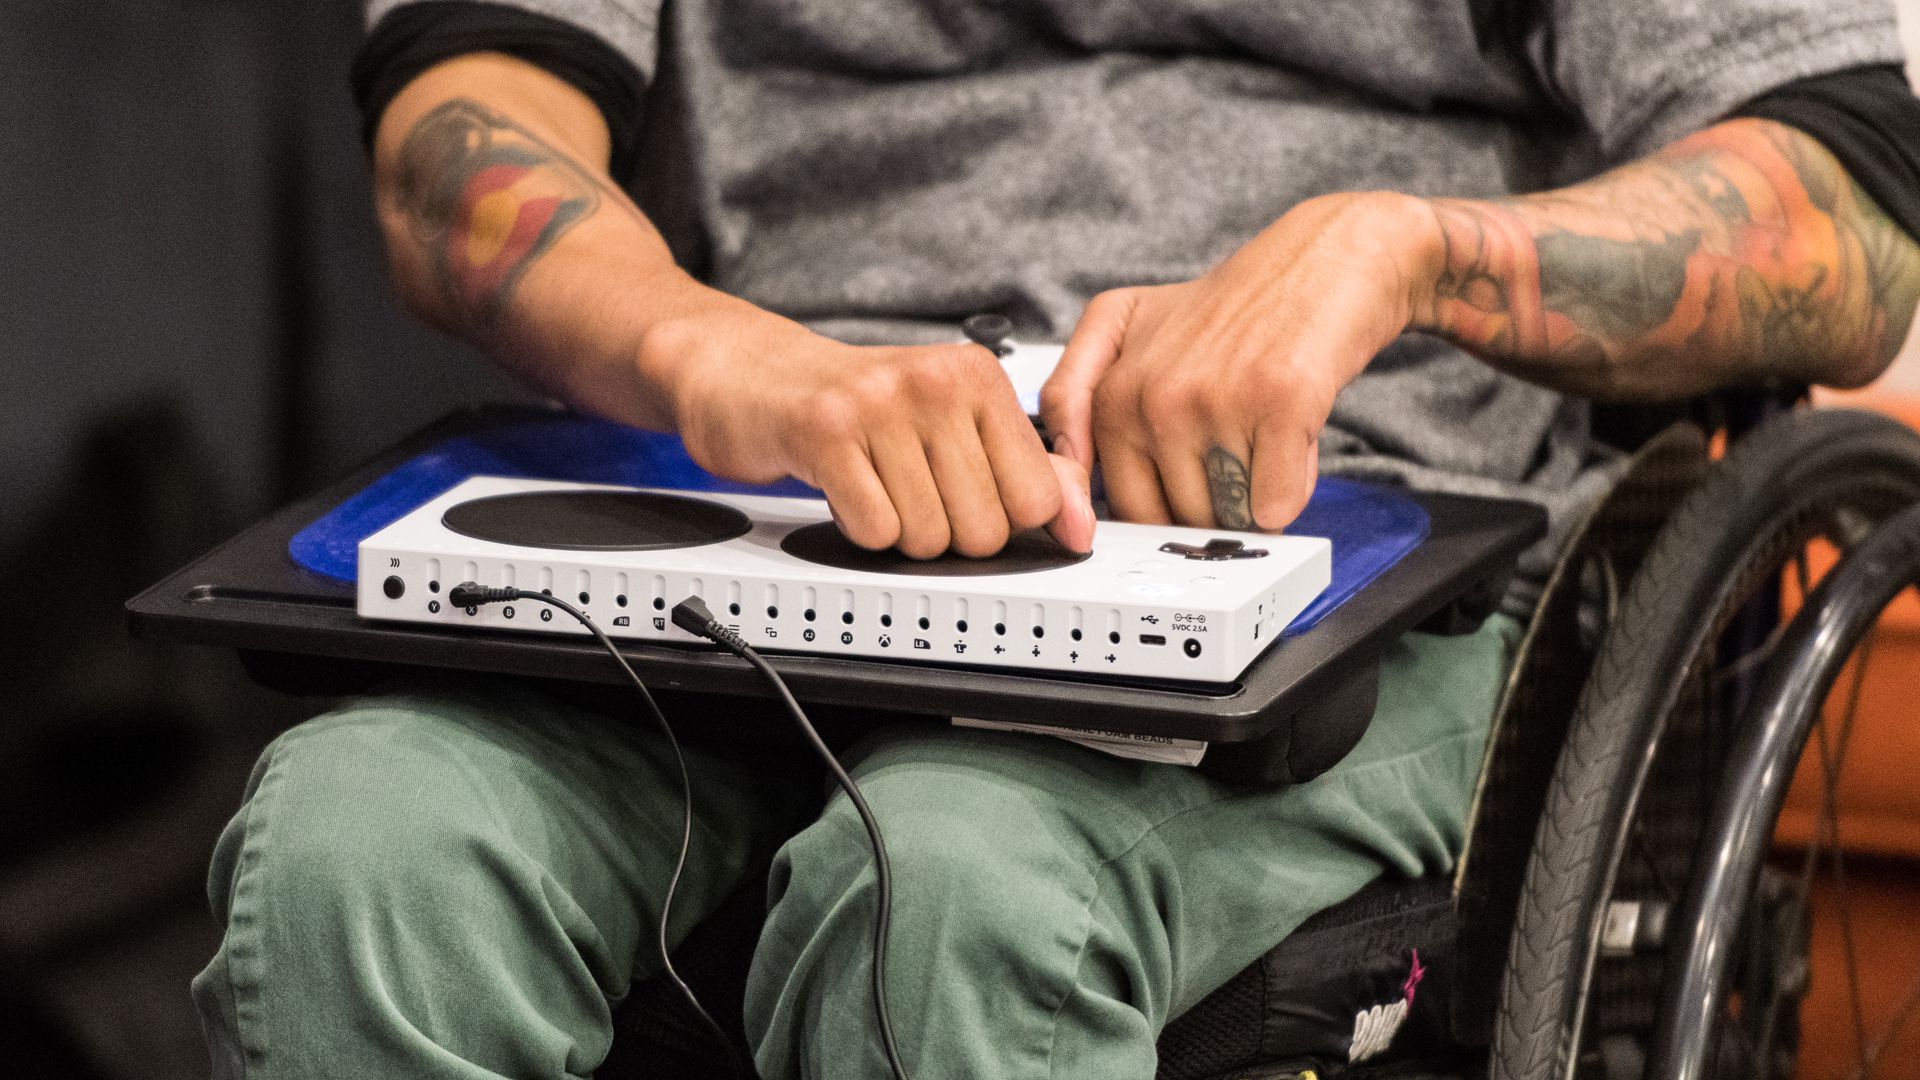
column 473, row 594
column 469, row 594
column 692, row 616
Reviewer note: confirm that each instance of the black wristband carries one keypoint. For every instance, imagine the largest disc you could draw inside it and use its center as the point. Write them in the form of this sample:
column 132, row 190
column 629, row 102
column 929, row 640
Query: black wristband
column 410, row 39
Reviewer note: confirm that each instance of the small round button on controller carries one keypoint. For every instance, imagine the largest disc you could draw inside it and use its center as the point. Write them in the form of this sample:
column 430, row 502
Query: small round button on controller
column 394, row 587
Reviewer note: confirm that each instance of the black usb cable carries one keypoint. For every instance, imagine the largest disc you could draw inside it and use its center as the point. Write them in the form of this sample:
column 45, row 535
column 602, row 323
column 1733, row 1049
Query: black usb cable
column 692, row 616
column 469, row 594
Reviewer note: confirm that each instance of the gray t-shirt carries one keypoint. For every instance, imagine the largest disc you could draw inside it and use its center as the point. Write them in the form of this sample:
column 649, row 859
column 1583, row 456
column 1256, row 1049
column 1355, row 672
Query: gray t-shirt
column 883, row 168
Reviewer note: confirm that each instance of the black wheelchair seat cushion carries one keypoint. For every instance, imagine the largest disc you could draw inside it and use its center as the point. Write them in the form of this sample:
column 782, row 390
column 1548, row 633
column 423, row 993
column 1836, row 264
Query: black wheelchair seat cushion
column 1365, row 982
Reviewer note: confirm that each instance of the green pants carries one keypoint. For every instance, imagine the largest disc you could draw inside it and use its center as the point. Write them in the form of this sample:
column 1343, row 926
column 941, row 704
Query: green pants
column 458, row 881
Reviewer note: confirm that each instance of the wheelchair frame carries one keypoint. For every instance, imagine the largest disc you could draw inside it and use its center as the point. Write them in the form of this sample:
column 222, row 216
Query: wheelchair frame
column 1702, row 610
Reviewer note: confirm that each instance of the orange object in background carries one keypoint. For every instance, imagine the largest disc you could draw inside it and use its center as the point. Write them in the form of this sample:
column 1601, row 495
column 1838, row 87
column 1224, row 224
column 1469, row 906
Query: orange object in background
column 1878, row 799
column 1882, row 901
column 1877, row 811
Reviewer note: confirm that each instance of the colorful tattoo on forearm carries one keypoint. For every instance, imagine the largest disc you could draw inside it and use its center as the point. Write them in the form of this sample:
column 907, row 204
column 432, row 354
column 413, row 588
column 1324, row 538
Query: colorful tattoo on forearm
column 1739, row 253
column 486, row 198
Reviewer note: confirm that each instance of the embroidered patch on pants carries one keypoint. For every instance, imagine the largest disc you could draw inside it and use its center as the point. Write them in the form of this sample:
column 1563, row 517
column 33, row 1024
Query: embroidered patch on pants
column 1375, row 1027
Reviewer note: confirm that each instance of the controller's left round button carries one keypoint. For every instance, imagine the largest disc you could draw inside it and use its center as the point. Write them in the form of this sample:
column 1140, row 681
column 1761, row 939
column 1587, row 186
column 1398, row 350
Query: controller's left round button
column 394, row 587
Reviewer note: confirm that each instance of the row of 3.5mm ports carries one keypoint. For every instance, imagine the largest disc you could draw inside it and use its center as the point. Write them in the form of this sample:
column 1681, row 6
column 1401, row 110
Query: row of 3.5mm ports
column 810, row 613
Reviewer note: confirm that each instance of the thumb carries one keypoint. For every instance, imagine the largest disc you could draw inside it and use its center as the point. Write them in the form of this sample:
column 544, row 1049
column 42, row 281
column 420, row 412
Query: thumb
column 1073, row 526
column 1066, row 401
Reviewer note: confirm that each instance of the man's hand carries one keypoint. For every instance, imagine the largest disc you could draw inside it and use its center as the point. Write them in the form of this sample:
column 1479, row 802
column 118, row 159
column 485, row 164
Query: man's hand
column 1739, row 254
column 1205, row 399
column 503, row 227
column 921, row 448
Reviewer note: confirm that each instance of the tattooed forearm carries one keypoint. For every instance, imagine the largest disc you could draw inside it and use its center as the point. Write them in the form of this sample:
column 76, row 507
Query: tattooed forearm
column 1617, row 289
column 485, row 198
column 1230, row 489
column 1740, row 253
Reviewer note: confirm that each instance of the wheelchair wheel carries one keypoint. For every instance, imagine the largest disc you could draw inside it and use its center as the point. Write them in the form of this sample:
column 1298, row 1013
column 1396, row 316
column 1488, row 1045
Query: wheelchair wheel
column 1640, row 765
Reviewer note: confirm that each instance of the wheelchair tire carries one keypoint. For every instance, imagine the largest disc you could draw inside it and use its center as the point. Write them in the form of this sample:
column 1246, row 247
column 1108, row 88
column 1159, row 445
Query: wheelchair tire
column 1627, row 762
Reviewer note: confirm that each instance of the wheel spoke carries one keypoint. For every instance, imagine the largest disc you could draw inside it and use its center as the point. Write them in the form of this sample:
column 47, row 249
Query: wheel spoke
column 1756, row 657
column 1827, row 831
column 1908, row 1006
column 1829, row 836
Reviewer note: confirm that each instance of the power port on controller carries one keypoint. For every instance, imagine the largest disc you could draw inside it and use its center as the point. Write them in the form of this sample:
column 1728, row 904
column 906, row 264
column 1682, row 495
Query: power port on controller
column 1192, row 647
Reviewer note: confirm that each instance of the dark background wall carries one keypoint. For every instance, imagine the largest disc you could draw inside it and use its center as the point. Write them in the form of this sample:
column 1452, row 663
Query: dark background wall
column 194, row 326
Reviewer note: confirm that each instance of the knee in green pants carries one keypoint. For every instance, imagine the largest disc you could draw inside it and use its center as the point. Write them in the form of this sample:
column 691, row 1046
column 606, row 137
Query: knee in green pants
column 456, row 884
column 1054, row 907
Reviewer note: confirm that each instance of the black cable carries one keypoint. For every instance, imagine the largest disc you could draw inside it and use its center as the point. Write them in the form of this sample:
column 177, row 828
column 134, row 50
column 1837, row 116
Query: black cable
column 692, row 616
column 470, row 594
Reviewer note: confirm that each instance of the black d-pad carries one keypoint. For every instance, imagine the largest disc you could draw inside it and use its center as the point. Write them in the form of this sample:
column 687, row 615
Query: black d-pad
column 1216, row 550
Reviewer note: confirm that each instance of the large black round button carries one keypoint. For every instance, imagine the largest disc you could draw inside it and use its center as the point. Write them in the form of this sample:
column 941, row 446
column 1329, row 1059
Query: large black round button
column 1028, row 552
column 394, row 587
column 596, row 520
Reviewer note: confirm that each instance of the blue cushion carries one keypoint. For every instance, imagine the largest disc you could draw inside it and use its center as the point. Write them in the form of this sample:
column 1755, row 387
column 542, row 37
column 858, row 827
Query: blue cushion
column 1371, row 526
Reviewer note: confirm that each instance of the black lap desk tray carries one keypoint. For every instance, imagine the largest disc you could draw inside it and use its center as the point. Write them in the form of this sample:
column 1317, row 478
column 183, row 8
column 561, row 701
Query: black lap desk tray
column 1293, row 713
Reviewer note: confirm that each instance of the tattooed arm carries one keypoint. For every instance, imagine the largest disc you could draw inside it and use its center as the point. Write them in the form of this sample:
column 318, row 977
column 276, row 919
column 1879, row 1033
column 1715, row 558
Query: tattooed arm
column 502, row 227
column 1741, row 253
column 484, row 198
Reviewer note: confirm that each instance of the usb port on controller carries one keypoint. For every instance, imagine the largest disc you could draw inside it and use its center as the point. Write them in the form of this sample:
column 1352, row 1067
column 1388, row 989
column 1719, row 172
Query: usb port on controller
column 1152, row 639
